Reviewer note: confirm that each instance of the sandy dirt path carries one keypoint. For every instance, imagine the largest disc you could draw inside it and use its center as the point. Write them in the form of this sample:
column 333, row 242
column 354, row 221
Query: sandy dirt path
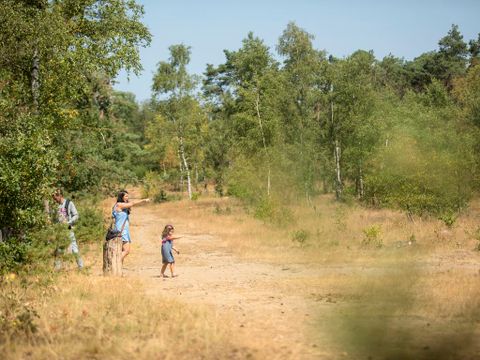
column 252, row 297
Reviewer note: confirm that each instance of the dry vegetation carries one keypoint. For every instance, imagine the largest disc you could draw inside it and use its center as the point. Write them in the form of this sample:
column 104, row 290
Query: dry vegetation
column 91, row 317
column 326, row 231
column 379, row 285
column 390, row 286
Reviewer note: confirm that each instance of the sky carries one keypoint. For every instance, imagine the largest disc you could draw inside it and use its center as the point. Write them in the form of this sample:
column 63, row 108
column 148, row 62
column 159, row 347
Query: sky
column 404, row 28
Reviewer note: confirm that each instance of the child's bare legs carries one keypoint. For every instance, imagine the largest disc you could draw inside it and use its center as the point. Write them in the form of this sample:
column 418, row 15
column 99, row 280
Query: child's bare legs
column 172, row 268
column 164, row 267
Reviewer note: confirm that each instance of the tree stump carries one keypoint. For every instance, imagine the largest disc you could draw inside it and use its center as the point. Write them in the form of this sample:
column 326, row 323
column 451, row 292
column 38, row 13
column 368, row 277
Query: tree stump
column 112, row 257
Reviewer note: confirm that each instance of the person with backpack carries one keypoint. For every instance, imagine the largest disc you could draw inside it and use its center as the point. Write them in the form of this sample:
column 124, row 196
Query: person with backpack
column 67, row 214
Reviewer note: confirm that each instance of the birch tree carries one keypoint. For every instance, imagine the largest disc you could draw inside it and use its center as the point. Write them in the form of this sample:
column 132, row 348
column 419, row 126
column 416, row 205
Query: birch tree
column 304, row 69
column 247, row 86
column 173, row 88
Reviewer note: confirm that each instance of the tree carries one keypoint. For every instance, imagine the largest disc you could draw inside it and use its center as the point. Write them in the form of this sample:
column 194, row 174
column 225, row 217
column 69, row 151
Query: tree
column 50, row 52
column 474, row 50
column 305, row 73
column 179, row 110
column 449, row 62
column 352, row 130
column 452, row 56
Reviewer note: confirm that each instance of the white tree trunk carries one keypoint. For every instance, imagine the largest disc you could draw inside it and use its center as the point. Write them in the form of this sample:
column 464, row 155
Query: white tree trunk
column 187, row 170
column 338, row 180
column 336, row 155
column 257, row 107
column 35, row 79
column 361, row 189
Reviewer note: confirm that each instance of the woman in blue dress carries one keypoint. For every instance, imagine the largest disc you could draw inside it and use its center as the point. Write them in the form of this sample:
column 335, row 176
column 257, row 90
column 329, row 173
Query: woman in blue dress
column 121, row 212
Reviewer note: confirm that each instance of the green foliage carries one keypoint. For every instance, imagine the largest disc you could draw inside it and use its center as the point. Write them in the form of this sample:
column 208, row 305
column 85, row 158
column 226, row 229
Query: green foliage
column 467, row 93
column 160, row 197
column 372, row 237
column 90, row 226
column 33, row 253
column 27, row 164
column 300, row 236
column 56, row 63
column 449, row 218
column 423, row 169
column 13, row 254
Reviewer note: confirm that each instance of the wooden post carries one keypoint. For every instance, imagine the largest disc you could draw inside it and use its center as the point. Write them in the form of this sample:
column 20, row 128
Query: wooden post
column 112, row 257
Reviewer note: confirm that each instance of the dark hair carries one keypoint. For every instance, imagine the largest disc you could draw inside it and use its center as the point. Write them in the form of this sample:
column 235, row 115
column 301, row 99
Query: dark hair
column 120, row 199
column 58, row 192
column 121, row 195
column 166, row 230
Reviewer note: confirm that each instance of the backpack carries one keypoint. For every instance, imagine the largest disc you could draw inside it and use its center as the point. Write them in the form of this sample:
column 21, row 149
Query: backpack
column 67, row 204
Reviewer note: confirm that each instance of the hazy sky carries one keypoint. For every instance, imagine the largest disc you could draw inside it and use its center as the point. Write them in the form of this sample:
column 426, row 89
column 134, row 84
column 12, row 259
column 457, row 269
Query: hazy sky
column 405, row 28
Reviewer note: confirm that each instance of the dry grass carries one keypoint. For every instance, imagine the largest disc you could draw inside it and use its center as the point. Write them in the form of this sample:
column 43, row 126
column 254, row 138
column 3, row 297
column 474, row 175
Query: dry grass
column 92, row 317
column 393, row 301
column 331, row 231
column 412, row 297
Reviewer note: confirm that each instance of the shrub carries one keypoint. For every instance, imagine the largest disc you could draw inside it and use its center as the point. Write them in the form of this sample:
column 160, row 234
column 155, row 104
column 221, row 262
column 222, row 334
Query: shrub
column 160, row 197
column 424, row 169
column 13, row 254
column 90, row 226
column 300, row 236
column 371, row 237
column 449, row 218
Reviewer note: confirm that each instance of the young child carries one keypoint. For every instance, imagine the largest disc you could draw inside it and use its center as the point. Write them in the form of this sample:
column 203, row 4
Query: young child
column 167, row 247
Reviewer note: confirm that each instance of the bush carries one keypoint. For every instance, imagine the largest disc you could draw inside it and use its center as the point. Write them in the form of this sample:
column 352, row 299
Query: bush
column 264, row 209
column 371, row 237
column 13, row 254
column 300, row 236
column 420, row 178
column 90, row 226
column 268, row 210
column 160, row 197
column 34, row 252
column 152, row 184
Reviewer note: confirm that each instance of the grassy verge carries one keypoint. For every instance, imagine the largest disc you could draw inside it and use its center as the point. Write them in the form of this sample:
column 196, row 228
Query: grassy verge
column 324, row 232
column 79, row 316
